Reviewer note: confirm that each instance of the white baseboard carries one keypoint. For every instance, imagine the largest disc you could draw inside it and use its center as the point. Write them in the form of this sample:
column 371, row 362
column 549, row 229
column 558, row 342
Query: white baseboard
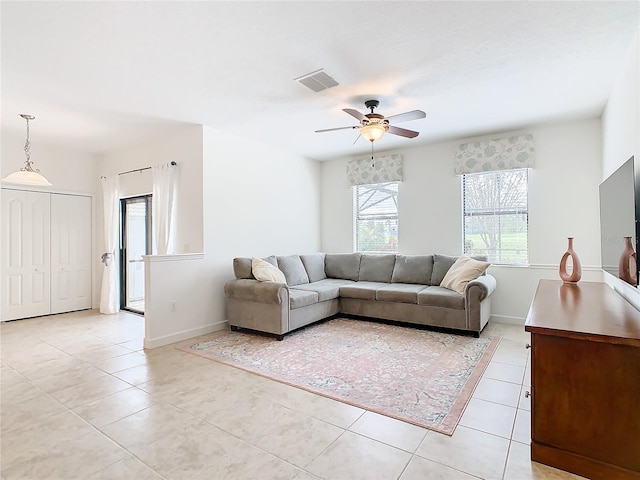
column 508, row 320
column 184, row 335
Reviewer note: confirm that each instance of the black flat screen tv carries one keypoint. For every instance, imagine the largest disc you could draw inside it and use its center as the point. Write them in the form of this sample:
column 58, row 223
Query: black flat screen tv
column 619, row 215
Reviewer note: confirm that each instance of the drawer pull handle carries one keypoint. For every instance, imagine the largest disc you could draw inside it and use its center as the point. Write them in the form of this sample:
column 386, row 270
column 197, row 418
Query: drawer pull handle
column 527, row 394
column 527, row 345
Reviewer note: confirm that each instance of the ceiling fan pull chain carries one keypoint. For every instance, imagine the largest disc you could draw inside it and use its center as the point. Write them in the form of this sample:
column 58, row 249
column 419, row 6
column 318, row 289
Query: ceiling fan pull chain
column 372, row 162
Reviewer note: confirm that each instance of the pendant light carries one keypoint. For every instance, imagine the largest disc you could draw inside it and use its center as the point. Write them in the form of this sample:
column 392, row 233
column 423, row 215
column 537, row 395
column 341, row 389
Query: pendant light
column 27, row 175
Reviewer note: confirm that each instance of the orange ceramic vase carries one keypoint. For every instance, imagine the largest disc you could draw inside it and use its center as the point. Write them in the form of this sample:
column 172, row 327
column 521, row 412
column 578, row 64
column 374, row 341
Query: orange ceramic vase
column 627, row 268
column 576, row 270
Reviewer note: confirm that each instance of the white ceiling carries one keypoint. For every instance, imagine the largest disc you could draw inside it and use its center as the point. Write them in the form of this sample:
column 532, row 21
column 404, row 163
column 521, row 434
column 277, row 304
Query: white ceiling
column 101, row 76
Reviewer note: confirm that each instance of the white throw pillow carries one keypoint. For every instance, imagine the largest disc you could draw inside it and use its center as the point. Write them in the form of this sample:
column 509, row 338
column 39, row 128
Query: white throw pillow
column 462, row 272
column 265, row 272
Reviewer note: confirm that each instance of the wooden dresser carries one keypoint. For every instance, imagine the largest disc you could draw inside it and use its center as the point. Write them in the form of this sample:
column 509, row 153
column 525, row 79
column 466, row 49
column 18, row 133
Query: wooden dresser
column 585, row 380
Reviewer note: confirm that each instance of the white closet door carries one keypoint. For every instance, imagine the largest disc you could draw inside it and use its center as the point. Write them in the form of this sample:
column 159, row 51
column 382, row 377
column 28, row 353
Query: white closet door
column 25, row 254
column 70, row 253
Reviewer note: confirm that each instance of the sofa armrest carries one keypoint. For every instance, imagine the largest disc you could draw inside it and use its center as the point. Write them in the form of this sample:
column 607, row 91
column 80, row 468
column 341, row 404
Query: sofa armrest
column 481, row 287
column 255, row 291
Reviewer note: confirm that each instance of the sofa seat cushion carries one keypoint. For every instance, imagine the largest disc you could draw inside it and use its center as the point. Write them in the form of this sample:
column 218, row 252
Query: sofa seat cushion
column 338, row 282
column 413, row 269
column 327, row 289
column 293, row 269
column 361, row 290
column 301, row 298
column 342, row 265
column 376, row 268
column 441, row 297
column 400, row 293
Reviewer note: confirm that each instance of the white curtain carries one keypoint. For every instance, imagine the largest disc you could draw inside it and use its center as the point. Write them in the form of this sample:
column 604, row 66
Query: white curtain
column 110, row 293
column 163, row 210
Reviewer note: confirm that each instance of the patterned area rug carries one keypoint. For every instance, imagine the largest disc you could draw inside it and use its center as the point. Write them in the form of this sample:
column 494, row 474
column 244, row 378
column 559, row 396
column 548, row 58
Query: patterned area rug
column 418, row 376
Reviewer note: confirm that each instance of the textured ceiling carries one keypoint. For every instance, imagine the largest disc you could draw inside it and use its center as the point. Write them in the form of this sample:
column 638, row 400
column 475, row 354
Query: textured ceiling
column 104, row 75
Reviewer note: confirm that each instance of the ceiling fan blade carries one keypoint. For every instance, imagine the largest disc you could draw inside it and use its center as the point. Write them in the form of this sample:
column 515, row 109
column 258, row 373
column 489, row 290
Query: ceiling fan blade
column 406, row 116
column 332, row 129
column 403, row 132
column 354, row 113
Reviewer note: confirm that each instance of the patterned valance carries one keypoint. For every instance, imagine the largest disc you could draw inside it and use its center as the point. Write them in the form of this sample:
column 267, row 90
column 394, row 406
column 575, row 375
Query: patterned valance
column 378, row 170
column 499, row 154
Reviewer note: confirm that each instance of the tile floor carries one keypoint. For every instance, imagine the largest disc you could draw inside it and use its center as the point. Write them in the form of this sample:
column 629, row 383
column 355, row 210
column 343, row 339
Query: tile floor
column 81, row 399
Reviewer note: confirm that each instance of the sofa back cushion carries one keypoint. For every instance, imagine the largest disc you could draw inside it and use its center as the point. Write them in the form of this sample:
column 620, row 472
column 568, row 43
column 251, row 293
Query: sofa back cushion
column 314, row 265
column 413, row 269
column 342, row 265
column 242, row 267
column 293, row 269
column 442, row 264
column 376, row 268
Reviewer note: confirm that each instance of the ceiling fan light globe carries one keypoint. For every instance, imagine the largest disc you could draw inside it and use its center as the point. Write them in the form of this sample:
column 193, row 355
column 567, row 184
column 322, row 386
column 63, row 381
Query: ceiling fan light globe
column 26, row 177
column 372, row 132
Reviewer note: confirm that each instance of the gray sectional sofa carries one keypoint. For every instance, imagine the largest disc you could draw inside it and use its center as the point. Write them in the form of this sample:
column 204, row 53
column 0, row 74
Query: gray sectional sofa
column 402, row 288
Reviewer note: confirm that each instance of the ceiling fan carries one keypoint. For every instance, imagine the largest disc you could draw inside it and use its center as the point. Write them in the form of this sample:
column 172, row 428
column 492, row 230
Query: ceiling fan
column 373, row 125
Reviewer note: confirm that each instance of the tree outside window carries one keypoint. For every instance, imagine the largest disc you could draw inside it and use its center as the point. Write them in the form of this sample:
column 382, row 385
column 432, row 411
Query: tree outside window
column 496, row 217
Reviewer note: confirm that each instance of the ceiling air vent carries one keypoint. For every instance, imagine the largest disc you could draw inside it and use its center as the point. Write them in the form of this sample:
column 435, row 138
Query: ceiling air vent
column 317, row 81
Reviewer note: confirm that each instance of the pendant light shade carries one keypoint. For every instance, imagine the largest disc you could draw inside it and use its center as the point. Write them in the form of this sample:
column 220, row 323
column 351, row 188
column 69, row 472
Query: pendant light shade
column 27, row 175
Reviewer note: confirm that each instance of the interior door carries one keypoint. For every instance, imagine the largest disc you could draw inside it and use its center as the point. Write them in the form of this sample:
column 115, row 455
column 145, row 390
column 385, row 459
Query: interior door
column 25, row 254
column 70, row 253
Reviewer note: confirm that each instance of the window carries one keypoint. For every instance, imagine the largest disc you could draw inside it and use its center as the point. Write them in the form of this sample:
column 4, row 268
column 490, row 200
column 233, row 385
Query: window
column 376, row 217
column 495, row 213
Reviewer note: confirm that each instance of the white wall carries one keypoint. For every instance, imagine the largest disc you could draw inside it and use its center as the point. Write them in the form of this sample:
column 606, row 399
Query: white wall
column 563, row 201
column 177, row 289
column 621, row 117
column 258, row 201
column 184, row 146
column 621, row 134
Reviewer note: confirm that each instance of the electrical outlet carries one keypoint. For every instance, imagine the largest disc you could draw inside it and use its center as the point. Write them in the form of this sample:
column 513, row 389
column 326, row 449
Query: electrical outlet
column 173, row 306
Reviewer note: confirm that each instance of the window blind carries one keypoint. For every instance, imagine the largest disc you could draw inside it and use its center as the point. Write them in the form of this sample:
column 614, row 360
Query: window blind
column 496, row 217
